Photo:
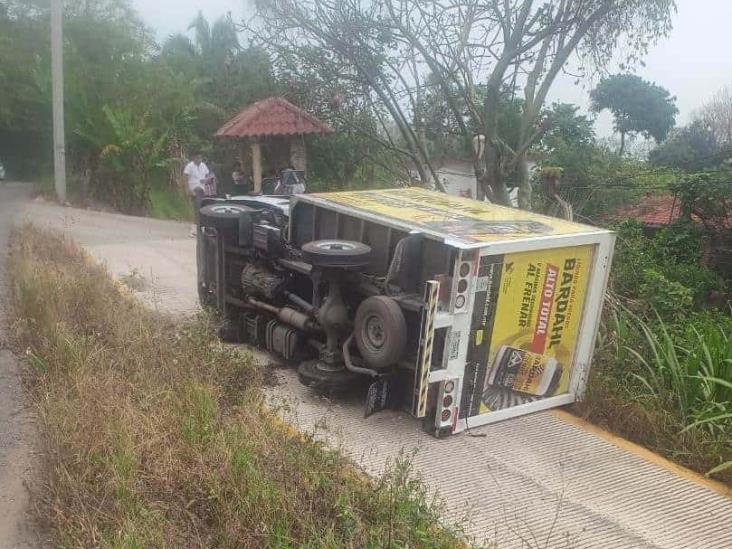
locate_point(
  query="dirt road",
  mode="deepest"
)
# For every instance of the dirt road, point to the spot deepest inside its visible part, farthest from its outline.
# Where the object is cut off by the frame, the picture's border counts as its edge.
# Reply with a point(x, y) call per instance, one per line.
point(18, 454)
point(534, 482)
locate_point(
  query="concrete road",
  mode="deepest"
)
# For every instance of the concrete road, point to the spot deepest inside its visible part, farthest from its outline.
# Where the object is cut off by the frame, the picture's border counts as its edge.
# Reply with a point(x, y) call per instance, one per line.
point(18, 455)
point(541, 481)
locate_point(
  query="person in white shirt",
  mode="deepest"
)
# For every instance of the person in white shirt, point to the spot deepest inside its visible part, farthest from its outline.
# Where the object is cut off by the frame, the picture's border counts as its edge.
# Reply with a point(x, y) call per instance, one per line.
point(197, 175)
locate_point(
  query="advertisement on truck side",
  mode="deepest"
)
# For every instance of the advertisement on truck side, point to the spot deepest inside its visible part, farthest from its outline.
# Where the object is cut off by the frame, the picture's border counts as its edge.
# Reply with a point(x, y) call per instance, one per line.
point(525, 326)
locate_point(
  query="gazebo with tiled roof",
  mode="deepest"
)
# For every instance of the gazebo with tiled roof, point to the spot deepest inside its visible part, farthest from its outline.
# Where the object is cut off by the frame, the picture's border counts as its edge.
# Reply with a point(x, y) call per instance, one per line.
point(278, 124)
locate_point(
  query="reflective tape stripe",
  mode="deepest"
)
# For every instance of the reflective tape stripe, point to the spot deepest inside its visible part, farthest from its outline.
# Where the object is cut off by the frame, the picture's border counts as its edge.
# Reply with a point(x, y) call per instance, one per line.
point(426, 344)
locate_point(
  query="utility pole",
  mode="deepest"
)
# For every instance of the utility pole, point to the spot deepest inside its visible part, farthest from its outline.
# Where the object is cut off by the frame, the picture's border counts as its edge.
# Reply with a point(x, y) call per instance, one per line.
point(57, 72)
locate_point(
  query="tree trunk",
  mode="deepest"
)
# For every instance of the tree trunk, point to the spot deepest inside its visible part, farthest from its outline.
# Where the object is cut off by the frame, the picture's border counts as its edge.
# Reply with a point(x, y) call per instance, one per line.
point(479, 191)
point(524, 190)
point(491, 181)
point(622, 144)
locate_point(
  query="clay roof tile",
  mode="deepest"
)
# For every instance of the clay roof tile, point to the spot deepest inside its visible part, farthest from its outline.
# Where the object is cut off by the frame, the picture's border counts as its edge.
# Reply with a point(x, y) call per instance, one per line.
point(271, 117)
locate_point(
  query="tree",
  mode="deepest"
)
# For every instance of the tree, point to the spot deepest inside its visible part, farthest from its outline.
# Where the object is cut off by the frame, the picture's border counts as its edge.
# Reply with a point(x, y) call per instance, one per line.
point(716, 115)
point(705, 143)
point(476, 55)
point(228, 75)
point(566, 129)
point(690, 148)
point(707, 197)
point(23, 105)
point(107, 50)
point(638, 106)
point(569, 143)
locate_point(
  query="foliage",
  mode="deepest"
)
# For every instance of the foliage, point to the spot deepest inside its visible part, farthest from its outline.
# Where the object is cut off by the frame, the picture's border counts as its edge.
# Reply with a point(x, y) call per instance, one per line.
point(696, 380)
point(402, 57)
point(132, 111)
point(167, 203)
point(357, 154)
point(128, 155)
point(157, 435)
point(638, 106)
point(566, 129)
point(664, 356)
point(663, 271)
point(705, 143)
point(668, 297)
point(692, 147)
point(227, 75)
point(24, 112)
point(716, 116)
point(706, 197)
point(597, 182)
point(667, 385)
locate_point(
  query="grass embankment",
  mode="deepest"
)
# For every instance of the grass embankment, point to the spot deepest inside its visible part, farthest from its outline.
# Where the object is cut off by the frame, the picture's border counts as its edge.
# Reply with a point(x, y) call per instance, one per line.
point(157, 436)
point(666, 386)
point(662, 373)
point(166, 202)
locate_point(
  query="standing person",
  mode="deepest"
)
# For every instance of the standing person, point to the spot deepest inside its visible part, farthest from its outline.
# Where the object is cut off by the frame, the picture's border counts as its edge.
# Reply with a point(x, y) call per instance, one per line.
point(197, 174)
point(239, 179)
point(210, 184)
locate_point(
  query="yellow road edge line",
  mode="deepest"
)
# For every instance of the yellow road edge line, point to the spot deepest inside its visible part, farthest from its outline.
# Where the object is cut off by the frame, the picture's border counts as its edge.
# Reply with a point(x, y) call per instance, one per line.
point(644, 453)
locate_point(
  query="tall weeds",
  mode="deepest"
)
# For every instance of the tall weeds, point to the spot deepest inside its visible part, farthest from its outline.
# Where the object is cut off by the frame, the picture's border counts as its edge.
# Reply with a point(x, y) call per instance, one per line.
point(669, 390)
point(157, 436)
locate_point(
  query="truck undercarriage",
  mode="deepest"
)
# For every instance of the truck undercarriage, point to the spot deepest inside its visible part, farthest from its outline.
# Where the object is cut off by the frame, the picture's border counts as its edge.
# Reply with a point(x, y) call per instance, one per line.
point(357, 297)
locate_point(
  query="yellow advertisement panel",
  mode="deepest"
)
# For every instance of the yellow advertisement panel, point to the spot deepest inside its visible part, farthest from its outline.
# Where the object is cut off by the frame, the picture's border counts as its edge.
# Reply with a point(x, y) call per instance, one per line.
point(525, 327)
point(453, 216)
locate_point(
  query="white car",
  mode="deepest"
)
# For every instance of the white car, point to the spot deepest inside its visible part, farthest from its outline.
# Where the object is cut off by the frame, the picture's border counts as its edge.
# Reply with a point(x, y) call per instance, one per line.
point(2, 172)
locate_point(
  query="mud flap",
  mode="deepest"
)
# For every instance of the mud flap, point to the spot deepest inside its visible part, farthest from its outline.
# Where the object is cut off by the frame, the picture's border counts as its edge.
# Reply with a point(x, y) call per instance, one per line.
point(384, 394)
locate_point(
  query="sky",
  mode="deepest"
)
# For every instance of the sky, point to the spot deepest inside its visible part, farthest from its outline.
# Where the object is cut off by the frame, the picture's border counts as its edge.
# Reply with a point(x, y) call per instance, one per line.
point(693, 62)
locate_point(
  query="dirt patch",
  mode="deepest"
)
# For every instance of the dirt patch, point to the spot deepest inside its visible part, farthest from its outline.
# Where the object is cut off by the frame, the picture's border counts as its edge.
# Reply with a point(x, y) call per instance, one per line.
point(19, 462)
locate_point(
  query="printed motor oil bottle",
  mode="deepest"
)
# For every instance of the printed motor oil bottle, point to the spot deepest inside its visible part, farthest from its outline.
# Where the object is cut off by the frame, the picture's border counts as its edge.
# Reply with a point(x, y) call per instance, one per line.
point(525, 372)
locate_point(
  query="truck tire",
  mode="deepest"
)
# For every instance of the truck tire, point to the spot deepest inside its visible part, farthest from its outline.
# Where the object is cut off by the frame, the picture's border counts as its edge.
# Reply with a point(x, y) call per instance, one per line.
point(223, 216)
point(380, 331)
point(323, 377)
point(336, 253)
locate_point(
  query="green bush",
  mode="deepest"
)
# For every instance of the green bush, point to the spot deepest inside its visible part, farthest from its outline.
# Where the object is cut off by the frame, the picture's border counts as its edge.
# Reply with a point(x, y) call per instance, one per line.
point(667, 385)
point(681, 241)
point(667, 297)
point(663, 271)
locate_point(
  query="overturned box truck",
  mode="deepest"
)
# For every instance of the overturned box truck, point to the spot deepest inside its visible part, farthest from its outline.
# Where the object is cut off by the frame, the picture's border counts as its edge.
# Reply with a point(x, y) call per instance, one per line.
point(460, 312)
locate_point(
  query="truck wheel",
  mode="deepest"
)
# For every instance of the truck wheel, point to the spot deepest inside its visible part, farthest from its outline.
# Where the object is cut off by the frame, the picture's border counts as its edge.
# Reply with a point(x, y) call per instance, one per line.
point(325, 377)
point(336, 253)
point(223, 216)
point(380, 331)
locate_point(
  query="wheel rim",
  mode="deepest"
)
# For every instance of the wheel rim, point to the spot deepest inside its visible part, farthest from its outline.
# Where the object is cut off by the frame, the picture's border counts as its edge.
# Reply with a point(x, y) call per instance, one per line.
point(227, 209)
point(336, 245)
point(373, 332)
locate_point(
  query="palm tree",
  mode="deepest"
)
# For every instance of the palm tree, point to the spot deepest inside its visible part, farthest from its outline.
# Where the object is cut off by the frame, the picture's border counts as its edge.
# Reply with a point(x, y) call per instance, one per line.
point(225, 74)
point(212, 48)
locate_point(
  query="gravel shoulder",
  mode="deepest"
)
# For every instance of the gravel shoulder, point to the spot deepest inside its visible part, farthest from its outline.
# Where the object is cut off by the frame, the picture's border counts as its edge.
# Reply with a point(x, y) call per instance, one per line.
point(19, 458)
